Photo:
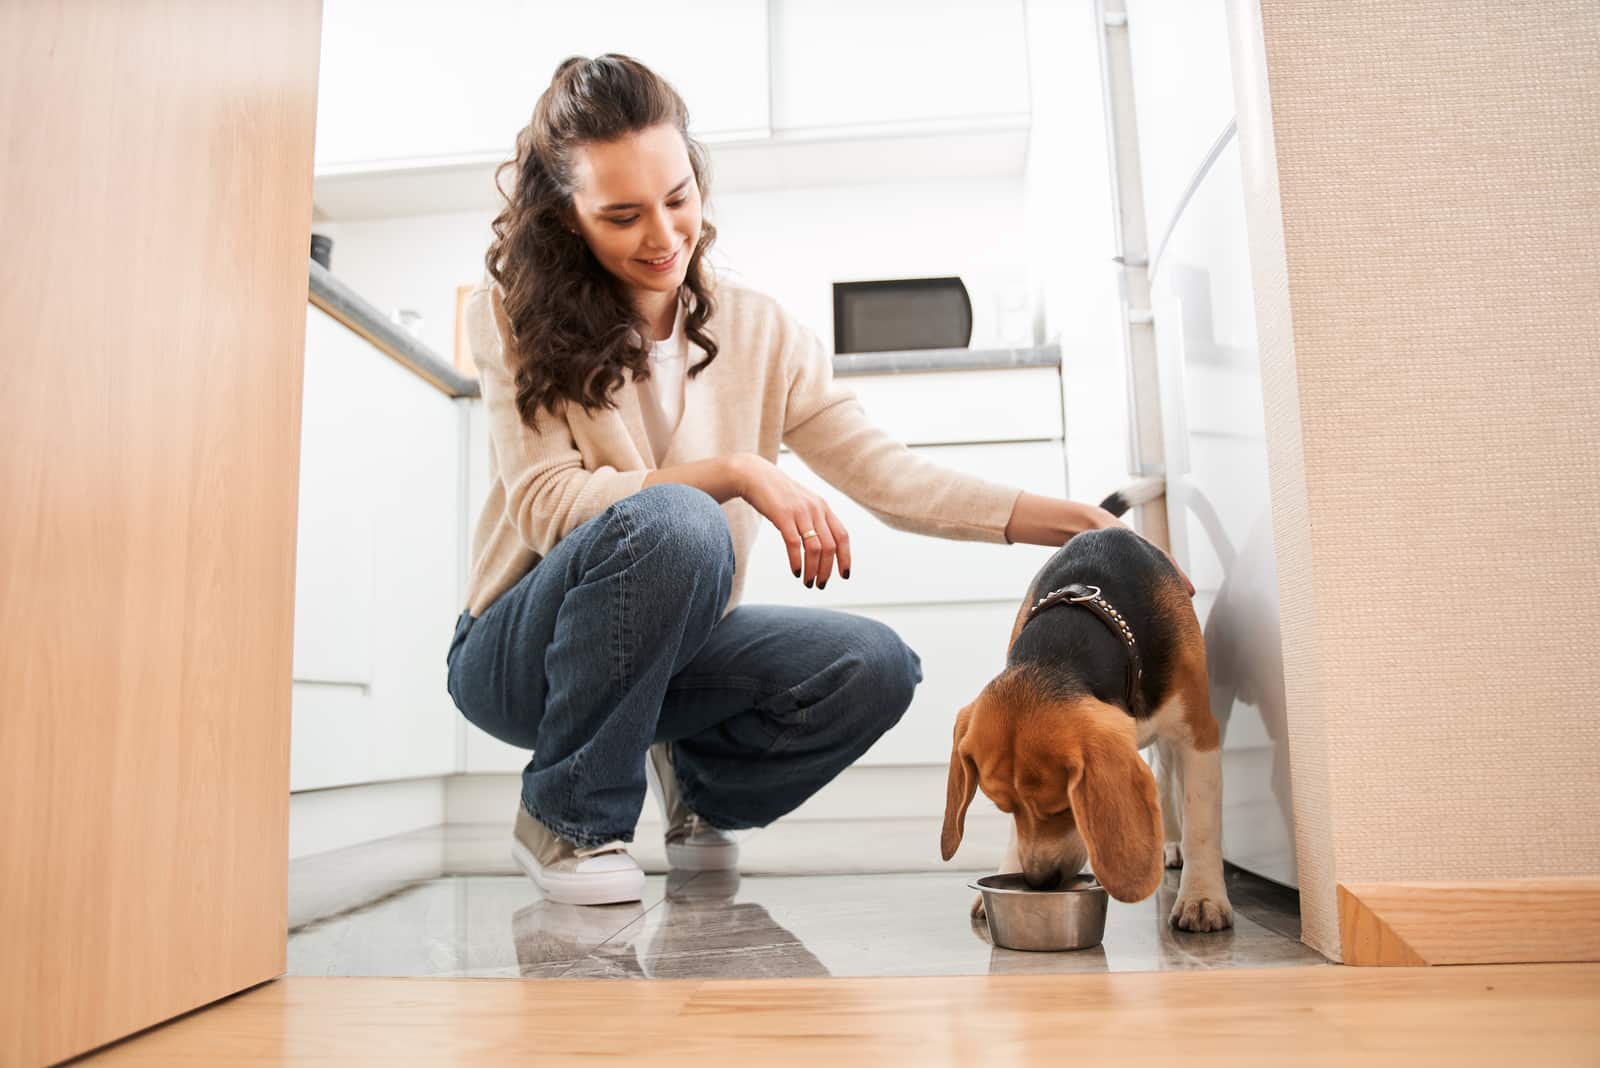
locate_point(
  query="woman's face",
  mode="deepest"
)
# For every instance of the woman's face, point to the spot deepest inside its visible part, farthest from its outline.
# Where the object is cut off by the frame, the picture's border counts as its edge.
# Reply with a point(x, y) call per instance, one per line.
point(638, 207)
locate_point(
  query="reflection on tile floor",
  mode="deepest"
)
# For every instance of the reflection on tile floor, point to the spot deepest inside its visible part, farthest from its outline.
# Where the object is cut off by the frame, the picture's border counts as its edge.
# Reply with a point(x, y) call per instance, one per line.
point(716, 925)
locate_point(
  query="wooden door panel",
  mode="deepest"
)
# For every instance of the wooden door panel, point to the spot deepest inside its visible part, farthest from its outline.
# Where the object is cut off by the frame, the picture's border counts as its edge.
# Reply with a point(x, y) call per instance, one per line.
point(156, 200)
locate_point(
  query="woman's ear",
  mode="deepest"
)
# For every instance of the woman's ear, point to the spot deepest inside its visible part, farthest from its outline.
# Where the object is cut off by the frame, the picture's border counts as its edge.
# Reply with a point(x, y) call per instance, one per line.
point(1113, 797)
point(958, 792)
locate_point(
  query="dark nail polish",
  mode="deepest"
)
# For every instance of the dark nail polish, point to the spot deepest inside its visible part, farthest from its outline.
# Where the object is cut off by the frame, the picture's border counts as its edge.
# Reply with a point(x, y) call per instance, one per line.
point(822, 585)
point(808, 584)
point(845, 573)
point(797, 572)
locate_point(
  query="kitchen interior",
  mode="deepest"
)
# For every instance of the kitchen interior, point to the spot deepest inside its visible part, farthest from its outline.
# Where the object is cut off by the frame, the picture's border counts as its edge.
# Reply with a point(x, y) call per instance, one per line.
point(237, 482)
point(845, 176)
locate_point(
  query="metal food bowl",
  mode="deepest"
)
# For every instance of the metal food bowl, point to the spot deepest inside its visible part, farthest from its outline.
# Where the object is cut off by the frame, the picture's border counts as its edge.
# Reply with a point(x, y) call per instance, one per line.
point(1073, 917)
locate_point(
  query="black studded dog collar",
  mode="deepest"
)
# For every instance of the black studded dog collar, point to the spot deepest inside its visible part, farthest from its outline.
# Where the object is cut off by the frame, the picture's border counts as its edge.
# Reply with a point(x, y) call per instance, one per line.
point(1089, 597)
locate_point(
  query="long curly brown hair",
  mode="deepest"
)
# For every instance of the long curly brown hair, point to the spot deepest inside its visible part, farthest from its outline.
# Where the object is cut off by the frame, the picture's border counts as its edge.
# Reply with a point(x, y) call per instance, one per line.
point(574, 328)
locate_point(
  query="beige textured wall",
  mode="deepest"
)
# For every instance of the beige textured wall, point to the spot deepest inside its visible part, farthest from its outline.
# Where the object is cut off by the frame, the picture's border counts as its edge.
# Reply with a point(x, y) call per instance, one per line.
point(1424, 191)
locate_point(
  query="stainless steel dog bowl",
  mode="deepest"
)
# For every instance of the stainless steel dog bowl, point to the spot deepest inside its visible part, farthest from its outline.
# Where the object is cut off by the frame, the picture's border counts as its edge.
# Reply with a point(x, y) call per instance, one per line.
point(1073, 917)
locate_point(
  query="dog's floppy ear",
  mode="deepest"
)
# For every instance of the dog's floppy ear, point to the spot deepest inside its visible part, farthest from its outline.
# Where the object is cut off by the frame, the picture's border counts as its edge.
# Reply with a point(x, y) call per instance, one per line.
point(1113, 798)
point(963, 784)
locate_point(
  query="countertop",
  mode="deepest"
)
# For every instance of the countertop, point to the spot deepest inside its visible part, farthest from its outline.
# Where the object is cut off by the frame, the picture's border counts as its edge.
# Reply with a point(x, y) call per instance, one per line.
point(336, 298)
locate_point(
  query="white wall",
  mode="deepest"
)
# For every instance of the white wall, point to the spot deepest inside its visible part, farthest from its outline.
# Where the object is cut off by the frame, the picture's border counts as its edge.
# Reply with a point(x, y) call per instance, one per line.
point(1431, 396)
point(413, 262)
point(792, 244)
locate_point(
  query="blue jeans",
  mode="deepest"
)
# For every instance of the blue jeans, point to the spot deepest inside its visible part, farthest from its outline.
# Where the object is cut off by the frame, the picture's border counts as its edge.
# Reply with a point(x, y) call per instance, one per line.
point(614, 641)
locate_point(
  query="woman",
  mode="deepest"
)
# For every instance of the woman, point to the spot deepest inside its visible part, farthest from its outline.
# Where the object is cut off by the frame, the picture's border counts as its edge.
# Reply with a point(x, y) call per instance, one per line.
point(635, 411)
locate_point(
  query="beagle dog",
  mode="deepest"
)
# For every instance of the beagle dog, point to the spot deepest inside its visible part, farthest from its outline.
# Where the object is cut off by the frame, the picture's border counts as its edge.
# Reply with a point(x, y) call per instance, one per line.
point(1106, 657)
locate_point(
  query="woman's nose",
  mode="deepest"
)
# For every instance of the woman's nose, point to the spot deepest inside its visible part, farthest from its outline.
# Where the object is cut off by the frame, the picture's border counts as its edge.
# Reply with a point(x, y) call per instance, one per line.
point(659, 233)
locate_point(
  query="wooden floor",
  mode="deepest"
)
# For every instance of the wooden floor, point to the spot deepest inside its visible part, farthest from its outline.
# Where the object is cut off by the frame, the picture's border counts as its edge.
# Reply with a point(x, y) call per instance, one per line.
point(1518, 1015)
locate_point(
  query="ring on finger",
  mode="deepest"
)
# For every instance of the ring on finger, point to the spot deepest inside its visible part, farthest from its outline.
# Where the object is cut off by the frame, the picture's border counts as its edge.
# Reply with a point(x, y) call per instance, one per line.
point(810, 534)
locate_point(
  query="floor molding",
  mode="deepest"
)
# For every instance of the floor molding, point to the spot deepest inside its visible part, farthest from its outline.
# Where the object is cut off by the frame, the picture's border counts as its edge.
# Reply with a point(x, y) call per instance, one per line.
point(1503, 921)
point(344, 816)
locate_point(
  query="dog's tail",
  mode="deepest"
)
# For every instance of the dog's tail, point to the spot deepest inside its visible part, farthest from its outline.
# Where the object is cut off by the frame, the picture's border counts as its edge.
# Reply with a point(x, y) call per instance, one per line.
point(1133, 494)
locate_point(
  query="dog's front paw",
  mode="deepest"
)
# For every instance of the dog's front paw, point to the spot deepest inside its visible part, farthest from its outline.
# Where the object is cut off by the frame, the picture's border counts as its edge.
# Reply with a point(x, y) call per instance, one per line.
point(1200, 913)
point(1172, 854)
point(977, 908)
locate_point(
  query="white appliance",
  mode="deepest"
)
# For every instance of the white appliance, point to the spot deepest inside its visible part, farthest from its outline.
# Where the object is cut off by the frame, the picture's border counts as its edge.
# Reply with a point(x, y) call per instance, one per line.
point(1217, 498)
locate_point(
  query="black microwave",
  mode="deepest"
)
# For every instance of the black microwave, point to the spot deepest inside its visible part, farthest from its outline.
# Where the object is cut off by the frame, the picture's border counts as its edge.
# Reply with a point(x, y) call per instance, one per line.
point(901, 313)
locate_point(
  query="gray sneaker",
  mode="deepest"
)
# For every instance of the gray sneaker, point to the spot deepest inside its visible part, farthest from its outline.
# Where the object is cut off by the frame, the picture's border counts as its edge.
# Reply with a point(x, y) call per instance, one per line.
point(692, 843)
point(573, 875)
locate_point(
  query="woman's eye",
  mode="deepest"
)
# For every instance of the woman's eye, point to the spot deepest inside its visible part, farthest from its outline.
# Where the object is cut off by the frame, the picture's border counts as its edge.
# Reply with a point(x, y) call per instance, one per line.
point(629, 220)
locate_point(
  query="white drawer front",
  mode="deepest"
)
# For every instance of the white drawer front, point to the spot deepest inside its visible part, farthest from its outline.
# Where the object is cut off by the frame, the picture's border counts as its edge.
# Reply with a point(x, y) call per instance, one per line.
point(334, 576)
point(962, 647)
point(377, 575)
point(894, 567)
point(952, 407)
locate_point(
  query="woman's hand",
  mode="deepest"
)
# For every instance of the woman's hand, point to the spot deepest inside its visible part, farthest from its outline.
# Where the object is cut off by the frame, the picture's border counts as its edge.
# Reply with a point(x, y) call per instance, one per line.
point(813, 534)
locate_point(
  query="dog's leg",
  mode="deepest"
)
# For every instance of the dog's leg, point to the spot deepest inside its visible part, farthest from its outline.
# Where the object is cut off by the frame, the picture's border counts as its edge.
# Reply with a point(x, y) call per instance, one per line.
point(1202, 903)
point(1011, 862)
point(1169, 786)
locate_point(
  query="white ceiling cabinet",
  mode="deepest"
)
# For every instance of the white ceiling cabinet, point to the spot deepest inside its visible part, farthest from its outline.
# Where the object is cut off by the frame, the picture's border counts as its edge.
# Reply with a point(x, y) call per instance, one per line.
point(417, 107)
point(841, 63)
point(418, 80)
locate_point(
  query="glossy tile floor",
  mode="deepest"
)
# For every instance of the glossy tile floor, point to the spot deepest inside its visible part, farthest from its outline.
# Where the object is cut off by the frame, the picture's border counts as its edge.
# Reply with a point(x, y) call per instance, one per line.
point(448, 902)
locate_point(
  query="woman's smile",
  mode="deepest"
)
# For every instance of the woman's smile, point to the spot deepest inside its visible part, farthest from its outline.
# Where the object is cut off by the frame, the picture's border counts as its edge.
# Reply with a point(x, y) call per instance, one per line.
point(664, 263)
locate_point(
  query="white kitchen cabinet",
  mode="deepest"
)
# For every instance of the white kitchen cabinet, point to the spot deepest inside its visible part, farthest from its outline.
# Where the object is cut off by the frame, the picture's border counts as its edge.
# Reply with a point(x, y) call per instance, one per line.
point(377, 567)
point(413, 80)
point(418, 104)
point(338, 508)
point(841, 63)
point(963, 407)
point(962, 647)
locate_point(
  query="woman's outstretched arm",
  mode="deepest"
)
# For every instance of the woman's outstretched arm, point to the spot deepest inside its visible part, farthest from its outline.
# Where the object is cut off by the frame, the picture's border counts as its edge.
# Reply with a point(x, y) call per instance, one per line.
point(1038, 520)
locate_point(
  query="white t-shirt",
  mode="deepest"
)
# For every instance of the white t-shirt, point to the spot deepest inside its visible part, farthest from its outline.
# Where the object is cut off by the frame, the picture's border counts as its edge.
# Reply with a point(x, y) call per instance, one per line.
point(661, 395)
